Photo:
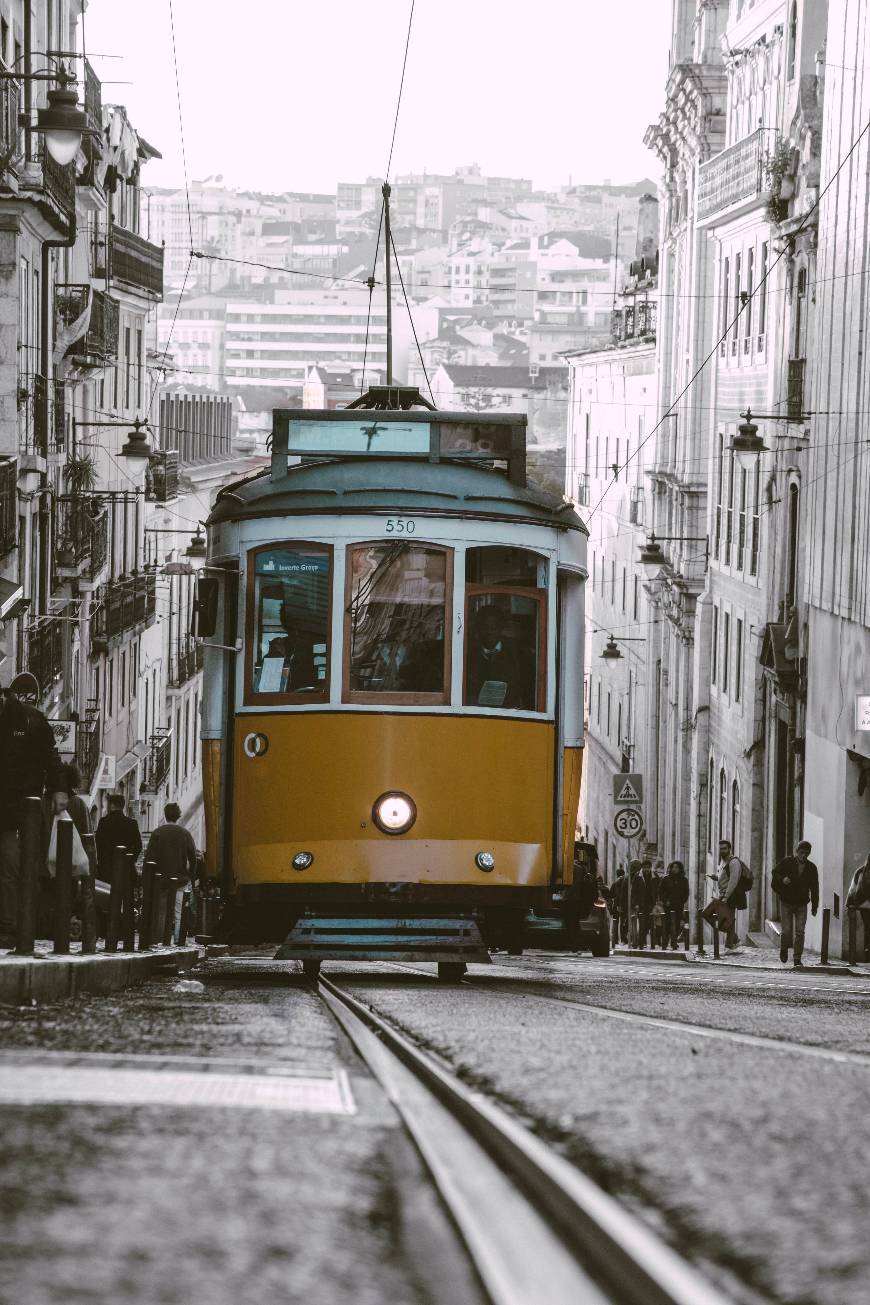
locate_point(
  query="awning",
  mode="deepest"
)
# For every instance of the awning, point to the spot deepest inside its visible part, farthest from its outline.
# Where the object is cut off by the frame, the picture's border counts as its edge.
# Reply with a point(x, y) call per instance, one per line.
point(130, 760)
point(11, 596)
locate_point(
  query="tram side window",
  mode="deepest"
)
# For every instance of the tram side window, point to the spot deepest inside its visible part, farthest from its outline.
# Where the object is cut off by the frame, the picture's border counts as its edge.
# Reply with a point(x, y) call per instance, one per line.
point(291, 622)
point(396, 621)
point(506, 591)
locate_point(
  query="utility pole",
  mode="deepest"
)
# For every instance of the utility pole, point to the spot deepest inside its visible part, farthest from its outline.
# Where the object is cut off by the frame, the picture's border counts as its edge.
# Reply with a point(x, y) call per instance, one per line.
point(387, 241)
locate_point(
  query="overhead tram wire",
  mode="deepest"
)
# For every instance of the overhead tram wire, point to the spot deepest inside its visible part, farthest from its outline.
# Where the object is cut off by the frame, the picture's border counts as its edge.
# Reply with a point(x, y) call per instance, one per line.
point(270, 267)
point(744, 305)
point(162, 367)
point(181, 125)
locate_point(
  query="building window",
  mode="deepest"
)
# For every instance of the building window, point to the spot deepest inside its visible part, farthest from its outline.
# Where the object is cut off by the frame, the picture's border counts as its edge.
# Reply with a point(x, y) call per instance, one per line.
point(737, 299)
point(756, 521)
point(720, 467)
point(127, 367)
point(110, 687)
point(635, 599)
point(140, 371)
point(762, 292)
point(122, 681)
point(613, 583)
point(714, 651)
point(598, 706)
point(624, 592)
point(750, 268)
point(710, 782)
point(735, 817)
point(792, 40)
point(741, 518)
point(607, 727)
point(729, 512)
point(792, 562)
point(726, 650)
point(738, 659)
point(723, 805)
point(726, 294)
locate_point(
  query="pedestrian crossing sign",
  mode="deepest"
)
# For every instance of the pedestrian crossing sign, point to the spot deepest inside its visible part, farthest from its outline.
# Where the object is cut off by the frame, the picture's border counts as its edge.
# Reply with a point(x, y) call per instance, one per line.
point(627, 790)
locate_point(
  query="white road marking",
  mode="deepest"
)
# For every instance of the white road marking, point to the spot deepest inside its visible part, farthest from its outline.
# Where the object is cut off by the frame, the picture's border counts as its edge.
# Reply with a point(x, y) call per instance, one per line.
point(42, 1084)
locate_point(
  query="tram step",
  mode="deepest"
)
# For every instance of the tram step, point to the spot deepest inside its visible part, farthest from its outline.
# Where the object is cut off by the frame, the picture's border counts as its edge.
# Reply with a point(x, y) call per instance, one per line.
point(411, 938)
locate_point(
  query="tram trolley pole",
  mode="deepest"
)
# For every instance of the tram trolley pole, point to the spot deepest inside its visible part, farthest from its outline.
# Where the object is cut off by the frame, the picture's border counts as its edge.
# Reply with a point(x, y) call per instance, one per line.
point(128, 914)
point(63, 884)
point(826, 934)
point(31, 857)
point(146, 921)
point(116, 897)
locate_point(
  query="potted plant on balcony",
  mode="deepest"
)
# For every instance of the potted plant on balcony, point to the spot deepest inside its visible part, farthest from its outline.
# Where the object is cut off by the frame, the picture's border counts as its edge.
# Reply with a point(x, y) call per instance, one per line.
point(81, 473)
point(779, 181)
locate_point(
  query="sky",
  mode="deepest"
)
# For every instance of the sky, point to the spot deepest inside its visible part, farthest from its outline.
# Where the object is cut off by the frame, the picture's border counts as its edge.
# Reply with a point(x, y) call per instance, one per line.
point(299, 94)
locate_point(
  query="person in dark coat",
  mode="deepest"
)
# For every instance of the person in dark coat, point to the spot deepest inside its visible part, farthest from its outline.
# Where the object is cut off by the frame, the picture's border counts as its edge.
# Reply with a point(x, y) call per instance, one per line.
point(172, 850)
point(29, 766)
point(617, 906)
point(116, 830)
point(673, 895)
point(858, 897)
point(796, 881)
point(644, 895)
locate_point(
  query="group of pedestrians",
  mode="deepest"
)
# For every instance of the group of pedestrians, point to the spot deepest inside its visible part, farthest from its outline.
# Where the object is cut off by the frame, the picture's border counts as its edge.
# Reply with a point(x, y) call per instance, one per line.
point(647, 904)
point(30, 766)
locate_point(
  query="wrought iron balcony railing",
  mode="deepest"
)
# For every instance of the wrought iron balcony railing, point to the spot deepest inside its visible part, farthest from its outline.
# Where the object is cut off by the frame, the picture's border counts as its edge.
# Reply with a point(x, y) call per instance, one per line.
point(795, 392)
point(10, 129)
point(58, 185)
point(161, 476)
point(88, 739)
point(158, 761)
point(8, 505)
point(185, 661)
point(734, 174)
point(121, 606)
point(635, 322)
point(45, 650)
point(81, 535)
point(135, 262)
point(48, 415)
point(92, 142)
point(99, 341)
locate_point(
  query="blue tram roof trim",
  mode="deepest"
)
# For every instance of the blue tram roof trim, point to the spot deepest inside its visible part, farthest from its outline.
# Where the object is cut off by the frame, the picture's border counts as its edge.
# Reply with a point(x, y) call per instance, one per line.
point(355, 461)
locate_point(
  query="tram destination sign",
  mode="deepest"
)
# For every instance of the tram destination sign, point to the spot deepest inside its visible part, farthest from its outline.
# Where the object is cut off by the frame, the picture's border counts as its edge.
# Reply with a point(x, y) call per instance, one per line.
point(627, 790)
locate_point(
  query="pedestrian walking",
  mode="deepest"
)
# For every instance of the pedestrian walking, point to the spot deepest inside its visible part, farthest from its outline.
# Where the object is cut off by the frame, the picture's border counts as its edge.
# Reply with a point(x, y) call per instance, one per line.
point(68, 799)
point(673, 896)
point(644, 895)
point(29, 766)
point(173, 852)
point(858, 898)
point(730, 894)
point(796, 882)
point(116, 830)
point(617, 905)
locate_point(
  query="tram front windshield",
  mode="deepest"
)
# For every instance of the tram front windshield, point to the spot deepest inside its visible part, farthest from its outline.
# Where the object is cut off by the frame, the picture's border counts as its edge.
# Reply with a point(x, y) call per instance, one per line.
point(396, 619)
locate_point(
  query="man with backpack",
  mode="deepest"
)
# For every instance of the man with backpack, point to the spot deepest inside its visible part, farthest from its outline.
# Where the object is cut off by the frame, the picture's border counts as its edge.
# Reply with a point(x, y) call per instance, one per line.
point(796, 881)
point(733, 882)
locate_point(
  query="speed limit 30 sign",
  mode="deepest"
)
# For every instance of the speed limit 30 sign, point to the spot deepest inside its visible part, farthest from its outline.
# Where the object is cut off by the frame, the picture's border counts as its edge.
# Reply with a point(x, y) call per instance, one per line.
point(628, 823)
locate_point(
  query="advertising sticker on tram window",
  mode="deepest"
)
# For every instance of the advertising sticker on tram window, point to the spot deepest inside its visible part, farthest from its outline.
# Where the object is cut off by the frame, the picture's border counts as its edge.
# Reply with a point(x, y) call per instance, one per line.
point(285, 562)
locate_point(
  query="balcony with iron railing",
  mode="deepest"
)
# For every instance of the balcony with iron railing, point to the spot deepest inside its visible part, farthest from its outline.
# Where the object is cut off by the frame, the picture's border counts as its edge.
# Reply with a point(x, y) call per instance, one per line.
point(10, 128)
point(44, 658)
point(88, 739)
point(135, 263)
point(53, 186)
point(734, 174)
point(92, 141)
point(184, 662)
point(634, 323)
point(121, 607)
point(161, 476)
point(81, 536)
point(8, 505)
point(42, 415)
point(99, 340)
point(157, 764)
point(795, 391)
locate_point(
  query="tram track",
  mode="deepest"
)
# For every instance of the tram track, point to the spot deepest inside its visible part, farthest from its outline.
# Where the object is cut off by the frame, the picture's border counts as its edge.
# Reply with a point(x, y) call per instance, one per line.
point(538, 1231)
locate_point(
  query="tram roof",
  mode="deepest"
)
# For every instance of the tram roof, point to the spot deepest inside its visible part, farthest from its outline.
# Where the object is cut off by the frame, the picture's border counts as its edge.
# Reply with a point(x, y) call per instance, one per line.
point(359, 484)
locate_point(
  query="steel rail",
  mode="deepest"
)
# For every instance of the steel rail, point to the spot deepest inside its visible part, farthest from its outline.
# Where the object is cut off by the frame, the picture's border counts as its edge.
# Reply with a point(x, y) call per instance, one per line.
point(615, 1257)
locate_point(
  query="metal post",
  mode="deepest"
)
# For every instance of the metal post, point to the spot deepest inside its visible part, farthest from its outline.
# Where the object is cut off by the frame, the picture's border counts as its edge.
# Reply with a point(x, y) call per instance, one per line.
point(185, 916)
point(715, 943)
point(700, 934)
point(89, 916)
point(385, 191)
point(686, 930)
point(853, 934)
point(116, 898)
point(63, 884)
point(128, 918)
point(169, 886)
point(146, 922)
point(826, 932)
point(31, 859)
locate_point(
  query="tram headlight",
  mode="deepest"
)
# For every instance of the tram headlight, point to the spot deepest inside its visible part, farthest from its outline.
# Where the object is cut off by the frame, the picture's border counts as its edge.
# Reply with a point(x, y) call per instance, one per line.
point(302, 860)
point(394, 813)
point(485, 861)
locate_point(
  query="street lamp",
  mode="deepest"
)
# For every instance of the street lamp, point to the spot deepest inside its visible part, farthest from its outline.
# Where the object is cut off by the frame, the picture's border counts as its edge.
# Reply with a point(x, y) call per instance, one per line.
point(611, 652)
point(652, 558)
point(62, 123)
point(197, 545)
point(136, 450)
point(747, 444)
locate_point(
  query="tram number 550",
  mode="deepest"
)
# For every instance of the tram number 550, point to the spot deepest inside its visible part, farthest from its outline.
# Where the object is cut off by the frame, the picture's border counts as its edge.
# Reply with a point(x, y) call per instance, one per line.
point(400, 526)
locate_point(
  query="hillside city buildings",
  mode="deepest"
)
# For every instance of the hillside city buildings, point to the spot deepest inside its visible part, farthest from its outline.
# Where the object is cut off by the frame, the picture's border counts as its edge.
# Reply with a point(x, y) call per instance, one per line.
point(742, 665)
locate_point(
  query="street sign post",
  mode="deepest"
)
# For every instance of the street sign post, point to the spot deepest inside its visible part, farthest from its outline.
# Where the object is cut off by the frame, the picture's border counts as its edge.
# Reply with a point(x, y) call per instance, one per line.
point(627, 790)
point(628, 823)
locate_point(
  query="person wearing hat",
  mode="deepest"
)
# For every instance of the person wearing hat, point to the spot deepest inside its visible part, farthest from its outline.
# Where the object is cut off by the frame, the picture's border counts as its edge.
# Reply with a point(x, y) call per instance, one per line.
point(29, 767)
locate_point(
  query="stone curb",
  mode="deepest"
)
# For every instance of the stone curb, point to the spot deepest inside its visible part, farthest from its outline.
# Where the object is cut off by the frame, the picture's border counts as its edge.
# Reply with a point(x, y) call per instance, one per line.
point(691, 958)
point(25, 979)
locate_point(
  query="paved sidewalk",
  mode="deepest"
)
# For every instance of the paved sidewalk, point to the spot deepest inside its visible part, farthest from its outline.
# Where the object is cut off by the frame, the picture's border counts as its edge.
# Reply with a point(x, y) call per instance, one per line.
point(747, 957)
point(44, 977)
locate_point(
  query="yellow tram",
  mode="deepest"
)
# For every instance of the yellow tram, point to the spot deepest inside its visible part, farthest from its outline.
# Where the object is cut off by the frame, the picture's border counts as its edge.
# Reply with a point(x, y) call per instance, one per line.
point(393, 700)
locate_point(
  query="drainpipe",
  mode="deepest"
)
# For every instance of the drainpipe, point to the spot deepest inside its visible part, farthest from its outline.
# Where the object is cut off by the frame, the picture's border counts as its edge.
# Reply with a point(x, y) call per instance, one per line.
point(47, 371)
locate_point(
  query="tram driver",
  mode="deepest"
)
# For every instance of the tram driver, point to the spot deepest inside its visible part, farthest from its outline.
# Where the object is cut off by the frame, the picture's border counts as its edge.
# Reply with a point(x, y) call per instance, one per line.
point(495, 672)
